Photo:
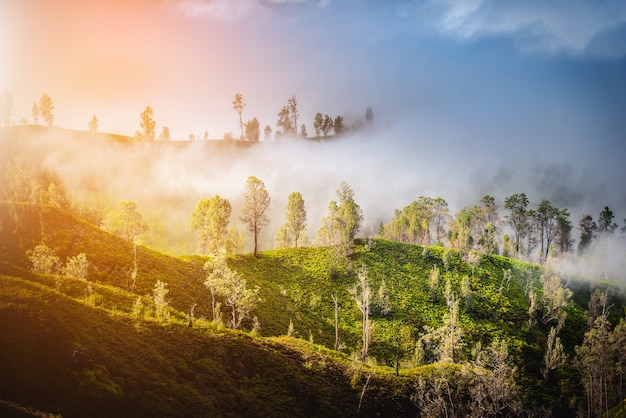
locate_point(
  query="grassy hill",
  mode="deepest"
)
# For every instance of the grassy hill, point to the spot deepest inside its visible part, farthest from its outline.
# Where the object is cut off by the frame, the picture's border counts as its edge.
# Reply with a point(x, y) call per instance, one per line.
point(72, 347)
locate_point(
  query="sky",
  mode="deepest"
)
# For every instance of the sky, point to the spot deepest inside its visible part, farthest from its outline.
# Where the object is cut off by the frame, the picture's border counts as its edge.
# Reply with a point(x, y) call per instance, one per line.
point(469, 97)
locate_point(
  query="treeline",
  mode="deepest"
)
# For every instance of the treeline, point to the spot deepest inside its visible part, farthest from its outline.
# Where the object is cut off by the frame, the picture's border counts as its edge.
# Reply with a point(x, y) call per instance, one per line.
point(534, 234)
point(286, 123)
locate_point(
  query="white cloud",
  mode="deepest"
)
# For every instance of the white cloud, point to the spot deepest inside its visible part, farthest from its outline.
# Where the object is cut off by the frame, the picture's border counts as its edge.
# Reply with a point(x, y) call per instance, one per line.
point(547, 26)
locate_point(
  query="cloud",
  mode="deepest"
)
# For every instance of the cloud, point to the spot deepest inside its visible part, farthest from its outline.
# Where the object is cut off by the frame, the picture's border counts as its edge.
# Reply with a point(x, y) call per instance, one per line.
point(555, 26)
point(233, 10)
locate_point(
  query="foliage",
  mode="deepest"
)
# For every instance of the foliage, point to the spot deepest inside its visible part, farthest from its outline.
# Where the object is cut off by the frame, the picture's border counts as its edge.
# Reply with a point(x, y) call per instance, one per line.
point(44, 259)
point(254, 210)
point(211, 218)
point(77, 266)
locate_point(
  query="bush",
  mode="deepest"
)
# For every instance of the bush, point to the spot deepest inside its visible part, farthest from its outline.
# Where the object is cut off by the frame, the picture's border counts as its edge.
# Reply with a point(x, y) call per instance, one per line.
point(44, 259)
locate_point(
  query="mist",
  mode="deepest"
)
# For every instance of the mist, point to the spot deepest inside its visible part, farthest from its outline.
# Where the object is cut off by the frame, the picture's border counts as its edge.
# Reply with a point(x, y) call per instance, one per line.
point(387, 169)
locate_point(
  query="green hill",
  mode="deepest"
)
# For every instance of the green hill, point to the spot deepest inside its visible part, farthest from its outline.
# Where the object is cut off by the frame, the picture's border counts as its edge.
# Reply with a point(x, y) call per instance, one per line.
point(72, 347)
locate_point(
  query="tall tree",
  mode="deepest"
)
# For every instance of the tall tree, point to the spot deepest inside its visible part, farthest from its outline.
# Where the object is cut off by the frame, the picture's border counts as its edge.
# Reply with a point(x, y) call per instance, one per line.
point(606, 225)
point(318, 121)
point(292, 105)
point(267, 132)
point(147, 125)
point(45, 108)
point(253, 213)
point(564, 228)
point(362, 294)
point(284, 125)
point(93, 124)
point(349, 216)
point(588, 229)
point(295, 224)
point(517, 218)
point(238, 106)
point(327, 125)
point(211, 218)
point(545, 217)
point(6, 108)
point(253, 131)
point(129, 224)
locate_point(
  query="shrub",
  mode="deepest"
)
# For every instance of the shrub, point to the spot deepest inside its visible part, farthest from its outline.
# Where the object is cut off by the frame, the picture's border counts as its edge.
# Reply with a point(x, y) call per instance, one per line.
point(44, 259)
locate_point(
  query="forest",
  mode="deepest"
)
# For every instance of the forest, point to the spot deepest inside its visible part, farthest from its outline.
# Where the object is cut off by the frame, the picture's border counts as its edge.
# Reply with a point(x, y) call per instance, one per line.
point(495, 309)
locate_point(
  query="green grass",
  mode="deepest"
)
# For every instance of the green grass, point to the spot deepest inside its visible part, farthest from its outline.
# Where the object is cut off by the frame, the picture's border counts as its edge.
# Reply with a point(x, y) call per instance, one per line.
point(71, 347)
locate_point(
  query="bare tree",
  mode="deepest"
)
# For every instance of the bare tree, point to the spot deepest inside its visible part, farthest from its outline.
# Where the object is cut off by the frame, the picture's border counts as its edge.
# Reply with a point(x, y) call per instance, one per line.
point(362, 294)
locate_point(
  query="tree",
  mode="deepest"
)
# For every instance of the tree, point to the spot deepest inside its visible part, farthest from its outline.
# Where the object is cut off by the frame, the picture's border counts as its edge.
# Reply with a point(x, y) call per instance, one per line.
point(129, 224)
point(344, 219)
point(327, 125)
point(211, 218)
point(369, 115)
point(517, 219)
point(36, 113)
point(555, 300)
point(563, 238)
point(45, 108)
point(253, 213)
point(165, 134)
point(93, 124)
point(292, 105)
point(295, 224)
point(595, 363)
point(318, 121)
point(43, 259)
point(6, 108)
point(161, 305)
point(555, 354)
point(77, 267)
point(228, 284)
point(545, 218)
point(238, 106)
point(303, 132)
point(147, 125)
point(267, 132)
point(588, 229)
point(253, 132)
point(338, 124)
point(606, 225)
point(362, 294)
point(284, 125)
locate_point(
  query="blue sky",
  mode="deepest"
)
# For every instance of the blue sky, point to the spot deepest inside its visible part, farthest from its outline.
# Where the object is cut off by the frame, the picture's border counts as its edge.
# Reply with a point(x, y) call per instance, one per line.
point(509, 95)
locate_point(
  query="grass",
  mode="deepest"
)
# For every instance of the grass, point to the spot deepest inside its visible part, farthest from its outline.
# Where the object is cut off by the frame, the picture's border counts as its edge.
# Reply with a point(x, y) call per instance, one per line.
point(72, 347)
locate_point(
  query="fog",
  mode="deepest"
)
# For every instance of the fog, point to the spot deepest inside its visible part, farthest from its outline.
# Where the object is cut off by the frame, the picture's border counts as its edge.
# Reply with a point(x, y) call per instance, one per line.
point(386, 168)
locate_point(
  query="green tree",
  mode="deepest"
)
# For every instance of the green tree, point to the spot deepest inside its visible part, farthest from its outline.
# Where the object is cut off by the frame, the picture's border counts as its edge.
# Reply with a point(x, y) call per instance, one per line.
point(254, 210)
point(606, 225)
point(545, 217)
point(295, 224)
point(344, 219)
point(238, 105)
point(517, 218)
point(147, 125)
point(225, 283)
point(564, 228)
point(211, 218)
point(45, 109)
point(253, 131)
point(588, 230)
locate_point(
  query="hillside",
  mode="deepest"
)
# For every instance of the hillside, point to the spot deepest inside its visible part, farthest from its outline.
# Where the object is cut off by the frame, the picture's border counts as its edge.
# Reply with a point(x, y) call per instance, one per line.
point(72, 347)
